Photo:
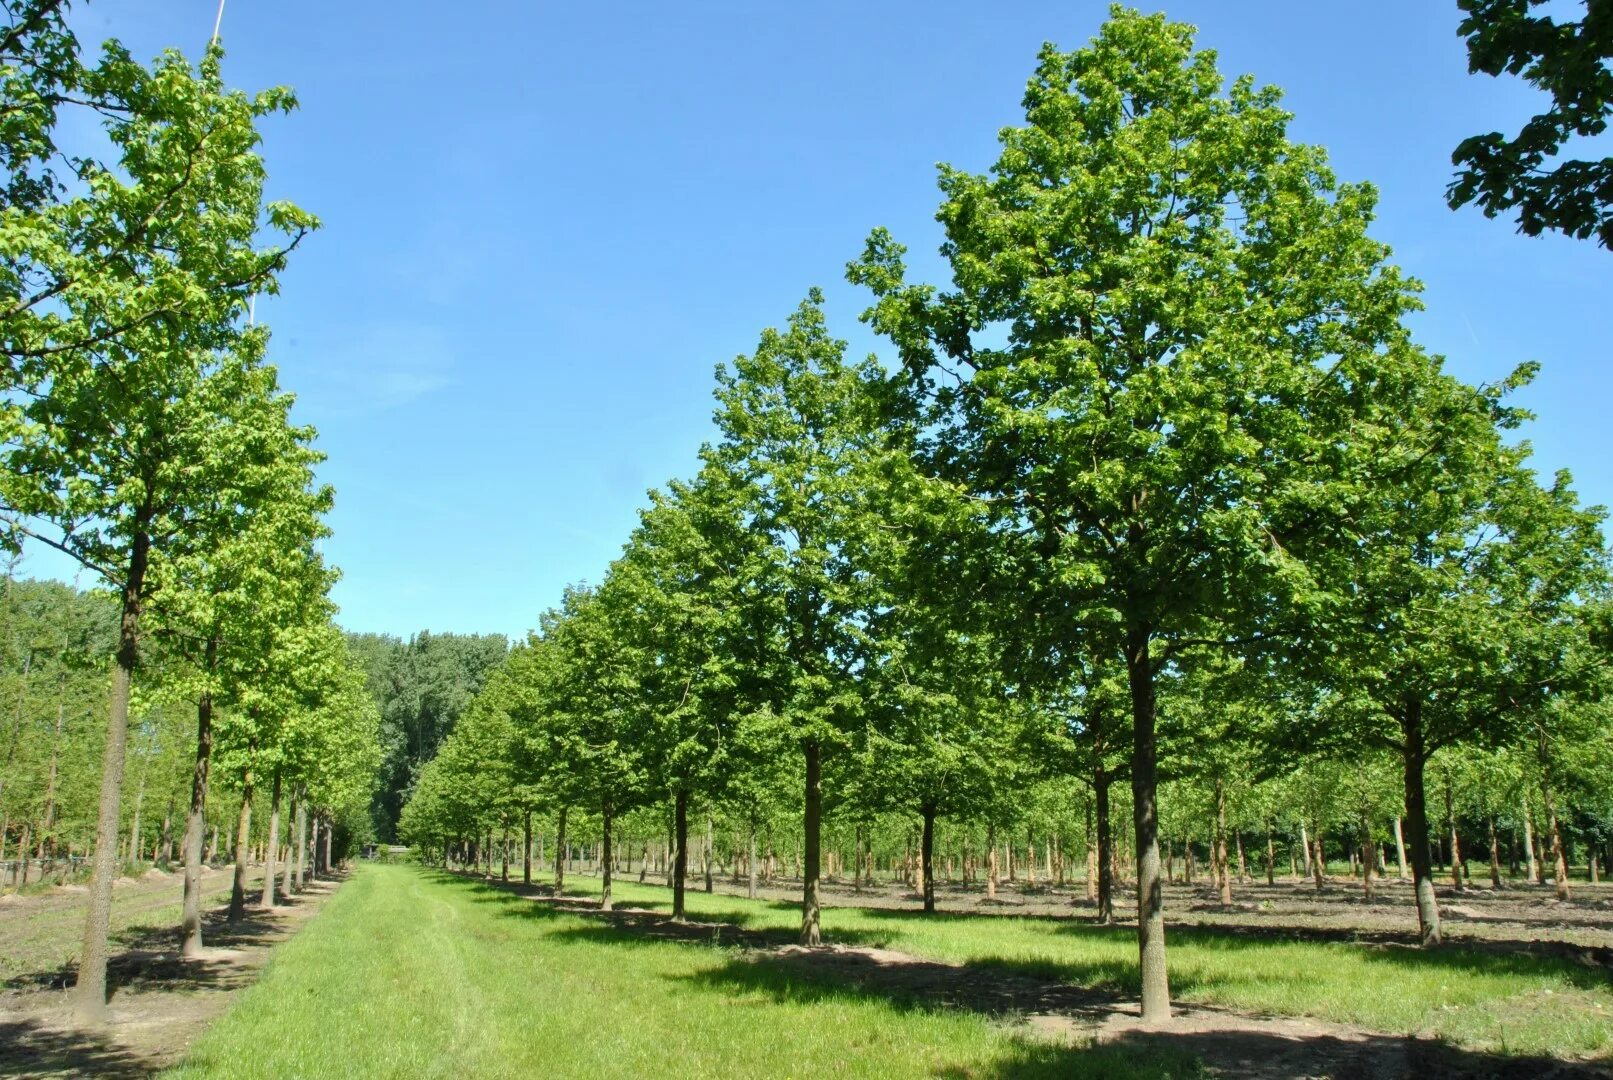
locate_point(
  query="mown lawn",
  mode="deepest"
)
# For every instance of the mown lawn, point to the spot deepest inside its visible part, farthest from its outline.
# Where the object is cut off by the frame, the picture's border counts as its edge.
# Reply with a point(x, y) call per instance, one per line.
point(410, 973)
point(1483, 1000)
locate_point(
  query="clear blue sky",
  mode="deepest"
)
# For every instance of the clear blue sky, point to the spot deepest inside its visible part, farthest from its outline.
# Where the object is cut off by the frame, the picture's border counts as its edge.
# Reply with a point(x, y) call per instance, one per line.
point(546, 223)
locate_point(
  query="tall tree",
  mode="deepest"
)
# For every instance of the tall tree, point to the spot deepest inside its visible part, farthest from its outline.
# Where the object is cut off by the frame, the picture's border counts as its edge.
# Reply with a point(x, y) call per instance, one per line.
point(1163, 311)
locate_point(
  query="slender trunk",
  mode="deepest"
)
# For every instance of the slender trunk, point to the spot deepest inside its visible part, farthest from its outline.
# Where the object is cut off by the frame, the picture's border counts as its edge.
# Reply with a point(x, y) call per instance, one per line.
point(927, 857)
point(1400, 847)
point(857, 860)
point(1495, 857)
point(313, 849)
point(1456, 840)
point(1271, 853)
point(1106, 847)
point(195, 822)
point(134, 826)
point(1092, 857)
point(560, 852)
point(680, 869)
point(90, 994)
point(1156, 1000)
point(504, 854)
point(1223, 869)
point(526, 847)
point(1369, 856)
point(1414, 758)
point(1559, 850)
point(302, 840)
point(274, 841)
point(1305, 847)
point(1529, 843)
point(991, 862)
point(243, 840)
point(750, 864)
point(706, 854)
point(1319, 860)
point(291, 862)
point(605, 860)
point(811, 931)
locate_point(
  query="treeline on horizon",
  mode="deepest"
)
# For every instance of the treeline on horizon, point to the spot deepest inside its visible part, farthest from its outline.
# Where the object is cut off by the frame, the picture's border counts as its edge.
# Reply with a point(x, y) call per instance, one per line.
point(1157, 508)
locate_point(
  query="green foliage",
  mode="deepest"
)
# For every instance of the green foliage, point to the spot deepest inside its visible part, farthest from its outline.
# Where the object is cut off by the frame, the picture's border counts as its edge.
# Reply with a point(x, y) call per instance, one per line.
point(1567, 60)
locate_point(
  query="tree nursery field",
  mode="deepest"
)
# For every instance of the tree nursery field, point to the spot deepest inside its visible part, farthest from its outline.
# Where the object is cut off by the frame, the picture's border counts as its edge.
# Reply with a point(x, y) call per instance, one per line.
point(1153, 659)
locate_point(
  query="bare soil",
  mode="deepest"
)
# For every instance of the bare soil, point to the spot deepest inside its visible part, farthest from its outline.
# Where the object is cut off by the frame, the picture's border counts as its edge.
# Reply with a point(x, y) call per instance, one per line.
point(159, 1003)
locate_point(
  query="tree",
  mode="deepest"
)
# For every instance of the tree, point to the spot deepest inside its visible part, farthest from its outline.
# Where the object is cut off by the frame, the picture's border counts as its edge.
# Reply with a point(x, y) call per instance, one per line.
point(801, 435)
point(1163, 312)
point(1569, 61)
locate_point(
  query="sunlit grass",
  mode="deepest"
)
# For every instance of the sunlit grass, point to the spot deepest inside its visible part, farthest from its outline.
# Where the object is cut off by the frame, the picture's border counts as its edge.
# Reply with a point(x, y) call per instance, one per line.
point(407, 973)
point(1481, 999)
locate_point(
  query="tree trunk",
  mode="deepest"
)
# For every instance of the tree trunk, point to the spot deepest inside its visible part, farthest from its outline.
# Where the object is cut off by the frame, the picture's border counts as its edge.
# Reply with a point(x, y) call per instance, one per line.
point(857, 860)
point(313, 849)
point(1318, 860)
point(1369, 856)
point(1400, 847)
point(706, 854)
point(291, 861)
point(1559, 851)
point(811, 931)
point(1106, 847)
point(927, 857)
point(605, 860)
point(750, 864)
point(680, 868)
point(1222, 869)
point(560, 852)
point(1413, 758)
point(134, 825)
point(1156, 999)
point(190, 925)
point(991, 862)
point(504, 854)
point(526, 847)
point(274, 842)
point(1271, 853)
point(1305, 847)
point(1495, 857)
point(330, 828)
point(1529, 843)
point(243, 851)
point(1456, 840)
point(90, 994)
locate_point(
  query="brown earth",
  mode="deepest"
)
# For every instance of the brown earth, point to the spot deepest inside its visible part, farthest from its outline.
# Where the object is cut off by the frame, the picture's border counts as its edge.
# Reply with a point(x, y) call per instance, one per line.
point(159, 1003)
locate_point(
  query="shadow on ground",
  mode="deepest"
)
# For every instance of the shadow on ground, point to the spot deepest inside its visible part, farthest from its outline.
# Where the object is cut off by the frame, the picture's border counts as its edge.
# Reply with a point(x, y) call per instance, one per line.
point(1083, 1015)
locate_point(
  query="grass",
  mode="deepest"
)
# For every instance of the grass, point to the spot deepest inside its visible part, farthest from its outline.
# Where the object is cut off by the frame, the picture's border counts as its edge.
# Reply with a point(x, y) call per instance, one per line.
point(411, 973)
point(1490, 1001)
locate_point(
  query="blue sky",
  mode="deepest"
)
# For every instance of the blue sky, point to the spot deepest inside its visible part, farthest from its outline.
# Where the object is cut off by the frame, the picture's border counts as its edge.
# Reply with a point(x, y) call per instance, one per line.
point(544, 225)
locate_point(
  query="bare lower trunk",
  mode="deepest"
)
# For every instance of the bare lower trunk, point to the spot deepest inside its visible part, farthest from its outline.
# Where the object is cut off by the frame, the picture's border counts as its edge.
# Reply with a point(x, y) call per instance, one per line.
point(680, 868)
point(1456, 840)
point(1156, 1001)
point(1223, 871)
point(927, 858)
point(1318, 860)
point(1413, 759)
point(243, 838)
point(274, 842)
point(526, 848)
point(1271, 853)
point(1529, 843)
point(605, 861)
point(811, 930)
point(1305, 848)
point(706, 853)
point(190, 925)
point(90, 992)
point(291, 859)
point(1559, 851)
point(750, 864)
point(1495, 857)
point(560, 851)
point(991, 862)
point(1106, 847)
point(1400, 847)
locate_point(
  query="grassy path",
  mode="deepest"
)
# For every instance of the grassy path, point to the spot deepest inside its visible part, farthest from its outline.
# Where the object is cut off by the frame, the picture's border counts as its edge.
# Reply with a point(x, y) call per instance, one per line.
point(408, 973)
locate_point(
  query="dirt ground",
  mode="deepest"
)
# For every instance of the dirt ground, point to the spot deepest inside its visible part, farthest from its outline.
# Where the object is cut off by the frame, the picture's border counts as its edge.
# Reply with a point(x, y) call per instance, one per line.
point(159, 1003)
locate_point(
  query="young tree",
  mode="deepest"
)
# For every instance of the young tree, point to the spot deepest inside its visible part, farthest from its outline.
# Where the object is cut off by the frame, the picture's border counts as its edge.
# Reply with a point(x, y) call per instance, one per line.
point(1163, 311)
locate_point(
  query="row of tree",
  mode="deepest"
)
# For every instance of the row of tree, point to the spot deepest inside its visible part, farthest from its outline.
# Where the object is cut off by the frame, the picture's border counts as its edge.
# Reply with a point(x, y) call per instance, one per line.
point(144, 435)
point(1160, 486)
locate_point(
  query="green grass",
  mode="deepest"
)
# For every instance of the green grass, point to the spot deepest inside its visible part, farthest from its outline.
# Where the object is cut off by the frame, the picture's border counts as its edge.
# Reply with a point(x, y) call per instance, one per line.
point(410, 973)
point(1510, 1003)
